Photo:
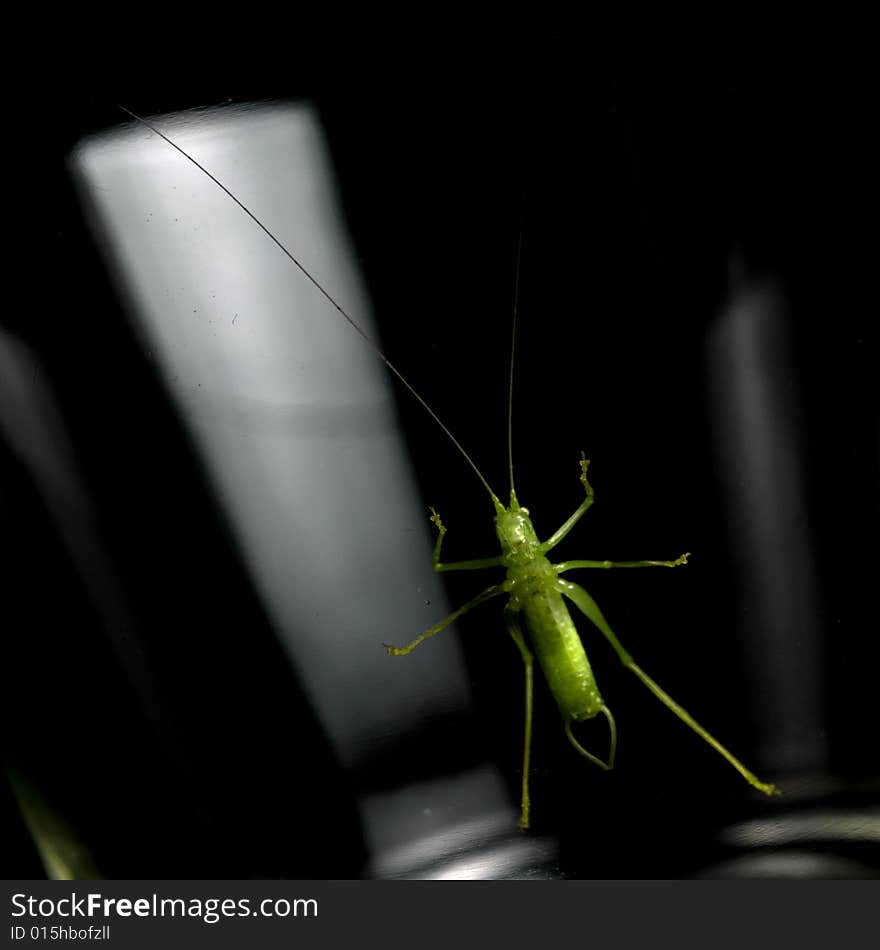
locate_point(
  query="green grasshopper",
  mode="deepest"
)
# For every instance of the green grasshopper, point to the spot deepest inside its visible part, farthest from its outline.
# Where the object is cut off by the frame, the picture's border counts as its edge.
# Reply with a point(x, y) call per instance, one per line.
point(536, 614)
point(536, 590)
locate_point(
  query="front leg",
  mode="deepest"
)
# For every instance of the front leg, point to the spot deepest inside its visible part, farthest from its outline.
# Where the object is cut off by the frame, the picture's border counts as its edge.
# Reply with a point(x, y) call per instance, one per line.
point(558, 535)
point(473, 565)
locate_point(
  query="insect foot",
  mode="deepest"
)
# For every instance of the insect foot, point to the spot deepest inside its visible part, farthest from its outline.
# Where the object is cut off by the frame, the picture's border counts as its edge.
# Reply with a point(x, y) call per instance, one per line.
point(588, 488)
point(435, 520)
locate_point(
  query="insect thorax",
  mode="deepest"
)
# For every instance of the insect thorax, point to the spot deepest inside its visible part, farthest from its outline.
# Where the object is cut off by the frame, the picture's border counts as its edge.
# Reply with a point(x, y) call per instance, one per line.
point(516, 534)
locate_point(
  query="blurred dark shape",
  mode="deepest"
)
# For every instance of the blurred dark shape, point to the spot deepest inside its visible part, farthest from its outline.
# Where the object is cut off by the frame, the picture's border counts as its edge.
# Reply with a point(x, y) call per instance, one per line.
point(759, 434)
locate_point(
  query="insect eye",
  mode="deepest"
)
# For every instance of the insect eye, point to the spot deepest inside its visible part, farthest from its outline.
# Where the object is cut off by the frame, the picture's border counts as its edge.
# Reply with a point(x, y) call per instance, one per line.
point(525, 511)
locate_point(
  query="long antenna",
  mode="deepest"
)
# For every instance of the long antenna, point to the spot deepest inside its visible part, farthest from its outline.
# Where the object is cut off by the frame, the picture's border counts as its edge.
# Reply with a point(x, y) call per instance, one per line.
point(327, 295)
point(512, 356)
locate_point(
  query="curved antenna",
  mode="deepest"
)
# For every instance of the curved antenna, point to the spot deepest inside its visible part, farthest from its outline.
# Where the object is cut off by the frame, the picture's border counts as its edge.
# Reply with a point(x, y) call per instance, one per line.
point(512, 356)
point(326, 294)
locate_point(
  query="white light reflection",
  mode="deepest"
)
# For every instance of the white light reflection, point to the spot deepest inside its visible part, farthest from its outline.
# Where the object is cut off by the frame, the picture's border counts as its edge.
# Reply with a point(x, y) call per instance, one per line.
point(827, 825)
point(423, 824)
point(793, 863)
point(291, 412)
point(508, 860)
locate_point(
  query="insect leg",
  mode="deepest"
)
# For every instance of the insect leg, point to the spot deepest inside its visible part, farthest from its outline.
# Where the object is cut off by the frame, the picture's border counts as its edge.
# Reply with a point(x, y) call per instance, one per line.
point(518, 638)
point(474, 565)
point(487, 594)
point(585, 603)
point(612, 750)
point(572, 565)
point(558, 535)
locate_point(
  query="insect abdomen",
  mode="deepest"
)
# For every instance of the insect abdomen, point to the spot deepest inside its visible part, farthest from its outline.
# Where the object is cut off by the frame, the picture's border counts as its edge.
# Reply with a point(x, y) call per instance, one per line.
point(559, 650)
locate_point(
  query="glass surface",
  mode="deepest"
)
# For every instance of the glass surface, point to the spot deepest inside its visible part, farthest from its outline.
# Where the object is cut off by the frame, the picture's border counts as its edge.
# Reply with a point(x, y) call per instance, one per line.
point(218, 496)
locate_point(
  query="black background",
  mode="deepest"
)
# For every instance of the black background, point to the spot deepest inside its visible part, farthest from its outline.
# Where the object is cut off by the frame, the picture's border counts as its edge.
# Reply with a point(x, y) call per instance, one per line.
point(633, 189)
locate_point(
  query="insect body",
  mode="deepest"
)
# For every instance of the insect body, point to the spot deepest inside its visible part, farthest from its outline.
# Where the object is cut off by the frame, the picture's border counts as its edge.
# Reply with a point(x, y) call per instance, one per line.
point(536, 592)
point(536, 613)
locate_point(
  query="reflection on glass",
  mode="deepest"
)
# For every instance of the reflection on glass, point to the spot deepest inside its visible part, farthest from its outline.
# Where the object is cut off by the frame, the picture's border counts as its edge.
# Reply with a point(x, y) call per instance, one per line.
point(291, 413)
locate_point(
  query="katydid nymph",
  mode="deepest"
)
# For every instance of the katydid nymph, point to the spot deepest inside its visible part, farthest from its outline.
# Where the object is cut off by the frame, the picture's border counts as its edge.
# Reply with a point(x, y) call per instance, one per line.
point(537, 591)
